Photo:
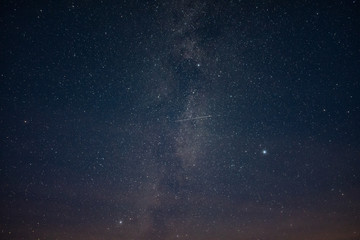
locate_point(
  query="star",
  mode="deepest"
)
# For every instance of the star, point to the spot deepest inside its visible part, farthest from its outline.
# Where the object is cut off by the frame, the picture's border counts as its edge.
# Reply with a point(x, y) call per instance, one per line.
point(264, 152)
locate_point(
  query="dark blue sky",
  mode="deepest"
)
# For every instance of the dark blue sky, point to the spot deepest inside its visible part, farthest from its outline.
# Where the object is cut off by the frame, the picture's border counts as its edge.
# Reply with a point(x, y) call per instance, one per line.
point(179, 120)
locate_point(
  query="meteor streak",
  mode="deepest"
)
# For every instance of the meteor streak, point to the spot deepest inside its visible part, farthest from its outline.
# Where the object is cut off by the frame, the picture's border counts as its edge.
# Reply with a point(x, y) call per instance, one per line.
point(192, 119)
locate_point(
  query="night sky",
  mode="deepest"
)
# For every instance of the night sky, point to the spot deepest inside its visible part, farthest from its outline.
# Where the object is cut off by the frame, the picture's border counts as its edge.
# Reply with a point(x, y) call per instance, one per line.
point(180, 119)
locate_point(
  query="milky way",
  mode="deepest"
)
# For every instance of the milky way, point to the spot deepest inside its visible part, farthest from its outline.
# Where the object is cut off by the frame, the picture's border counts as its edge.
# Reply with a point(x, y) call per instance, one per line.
point(161, 120)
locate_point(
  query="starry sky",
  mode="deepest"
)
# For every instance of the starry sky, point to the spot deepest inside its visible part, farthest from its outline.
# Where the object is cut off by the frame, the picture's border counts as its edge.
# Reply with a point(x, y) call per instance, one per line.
point(179, 119)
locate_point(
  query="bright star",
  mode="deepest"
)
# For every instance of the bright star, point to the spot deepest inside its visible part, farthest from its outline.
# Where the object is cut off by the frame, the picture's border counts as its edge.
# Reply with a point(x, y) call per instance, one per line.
point(264, 151)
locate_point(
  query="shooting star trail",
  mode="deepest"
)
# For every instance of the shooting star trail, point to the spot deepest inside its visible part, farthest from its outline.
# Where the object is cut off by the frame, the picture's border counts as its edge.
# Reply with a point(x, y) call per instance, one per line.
point(194, 118)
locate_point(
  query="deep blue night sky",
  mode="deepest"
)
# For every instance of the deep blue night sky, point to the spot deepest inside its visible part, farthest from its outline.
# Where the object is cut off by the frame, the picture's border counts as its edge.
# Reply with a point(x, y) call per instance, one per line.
point(163, 120)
